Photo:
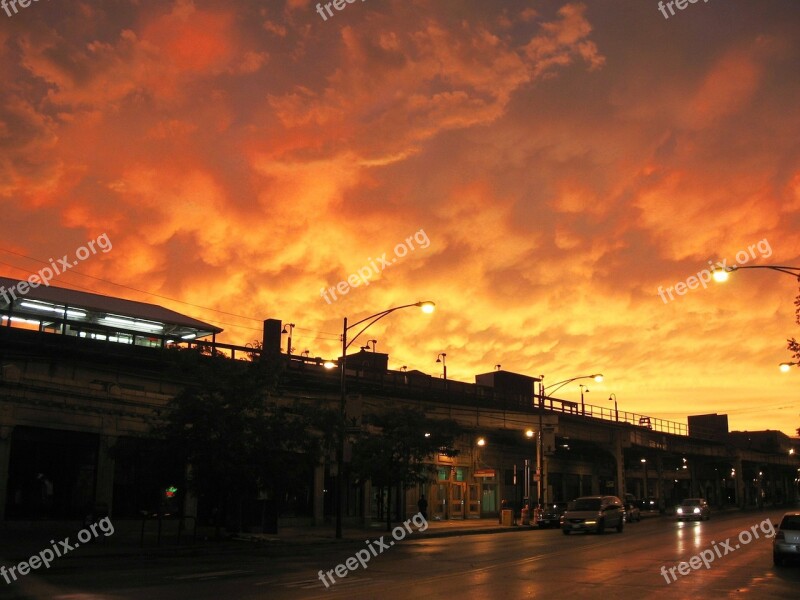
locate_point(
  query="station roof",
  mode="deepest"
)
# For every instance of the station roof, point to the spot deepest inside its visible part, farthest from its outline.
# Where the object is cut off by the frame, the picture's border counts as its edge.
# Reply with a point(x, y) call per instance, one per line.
point(107, 311)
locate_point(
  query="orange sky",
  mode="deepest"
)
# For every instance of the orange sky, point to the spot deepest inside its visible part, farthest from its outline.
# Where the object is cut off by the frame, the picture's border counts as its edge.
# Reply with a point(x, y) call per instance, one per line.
point(556, 161)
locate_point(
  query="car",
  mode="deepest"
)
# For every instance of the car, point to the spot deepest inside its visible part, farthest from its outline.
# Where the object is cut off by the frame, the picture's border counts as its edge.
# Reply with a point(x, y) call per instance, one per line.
point(648, 504)
point(632, 512)
point(551, 515)
point(593, 513)
point(693, 508)
point(786, 542)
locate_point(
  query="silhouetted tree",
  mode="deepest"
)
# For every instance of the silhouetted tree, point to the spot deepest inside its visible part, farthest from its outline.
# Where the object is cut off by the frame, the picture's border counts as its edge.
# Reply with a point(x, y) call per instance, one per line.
point(235, 442)
point(395, 451)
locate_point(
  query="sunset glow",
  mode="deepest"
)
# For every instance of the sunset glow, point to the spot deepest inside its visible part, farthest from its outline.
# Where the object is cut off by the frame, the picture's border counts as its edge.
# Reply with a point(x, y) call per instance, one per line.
point(564, 180)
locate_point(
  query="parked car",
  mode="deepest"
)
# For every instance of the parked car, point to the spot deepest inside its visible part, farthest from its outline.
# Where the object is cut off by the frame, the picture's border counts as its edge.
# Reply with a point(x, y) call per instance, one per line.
point(593, 513)
point(648, 504)
point(786, 543)
point(632, 512)
point(693, 508)
point(551, 515)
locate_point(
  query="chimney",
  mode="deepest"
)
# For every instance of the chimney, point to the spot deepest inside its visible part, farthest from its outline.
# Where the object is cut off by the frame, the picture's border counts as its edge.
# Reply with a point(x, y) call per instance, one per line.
point(272, 338)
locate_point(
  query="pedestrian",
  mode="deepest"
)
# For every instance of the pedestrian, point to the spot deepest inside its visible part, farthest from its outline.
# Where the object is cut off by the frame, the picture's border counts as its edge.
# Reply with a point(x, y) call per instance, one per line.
point(422, 505)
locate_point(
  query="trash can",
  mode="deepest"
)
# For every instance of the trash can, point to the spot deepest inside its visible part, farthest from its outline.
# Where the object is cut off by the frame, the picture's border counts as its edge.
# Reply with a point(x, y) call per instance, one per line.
point(526, 516)
point(506, 518)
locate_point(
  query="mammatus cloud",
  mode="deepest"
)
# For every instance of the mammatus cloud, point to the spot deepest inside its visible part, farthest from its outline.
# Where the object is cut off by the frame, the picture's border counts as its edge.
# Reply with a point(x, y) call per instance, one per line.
point(564, 161)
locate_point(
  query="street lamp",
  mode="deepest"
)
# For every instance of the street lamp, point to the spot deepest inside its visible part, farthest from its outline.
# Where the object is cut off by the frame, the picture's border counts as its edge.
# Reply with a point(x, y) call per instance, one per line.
point(426, 307)
point(721, 275)
point(527, 472)
point(441, 359)
point(587, 390)
point(598, 377)
point(785, 367)
point(613, 396)
point(289, 345)
point(541, 464)
point(644, 465)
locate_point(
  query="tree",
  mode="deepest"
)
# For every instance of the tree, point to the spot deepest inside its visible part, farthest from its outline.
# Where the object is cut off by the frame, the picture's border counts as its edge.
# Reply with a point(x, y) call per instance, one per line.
point(794, 345)
point(396, 447)
point(236, 443)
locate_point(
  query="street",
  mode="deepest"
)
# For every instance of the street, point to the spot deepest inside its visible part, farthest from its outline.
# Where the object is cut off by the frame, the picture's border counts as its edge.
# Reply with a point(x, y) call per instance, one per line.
point(520, 564)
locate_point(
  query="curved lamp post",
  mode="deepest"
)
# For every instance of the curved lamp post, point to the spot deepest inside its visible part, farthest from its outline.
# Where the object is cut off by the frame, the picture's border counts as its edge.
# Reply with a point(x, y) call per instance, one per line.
point(598, 377)
point(584, 388)
point(427, 307)
point(290, 327)
point(541, 465)
point(441, 359)
point(613, 397)
point(721, 275)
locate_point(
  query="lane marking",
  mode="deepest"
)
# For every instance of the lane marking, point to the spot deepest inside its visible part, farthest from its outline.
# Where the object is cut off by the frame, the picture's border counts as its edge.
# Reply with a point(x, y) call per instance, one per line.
point(209, 574)
point(310, 584)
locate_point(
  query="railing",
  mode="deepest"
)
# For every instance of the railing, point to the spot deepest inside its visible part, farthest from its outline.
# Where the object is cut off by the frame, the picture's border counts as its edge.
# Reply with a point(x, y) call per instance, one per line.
point(606, 413)
point(160, 518)
point(426, 387)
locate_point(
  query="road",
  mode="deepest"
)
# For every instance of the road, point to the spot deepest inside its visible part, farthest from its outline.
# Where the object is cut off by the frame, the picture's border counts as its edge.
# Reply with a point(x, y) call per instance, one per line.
point(519, 565)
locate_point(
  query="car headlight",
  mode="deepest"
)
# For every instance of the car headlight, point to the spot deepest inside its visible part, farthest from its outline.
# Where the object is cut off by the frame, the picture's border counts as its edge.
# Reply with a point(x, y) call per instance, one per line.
point(591, 522)
point(696, 511)
point(680, 511)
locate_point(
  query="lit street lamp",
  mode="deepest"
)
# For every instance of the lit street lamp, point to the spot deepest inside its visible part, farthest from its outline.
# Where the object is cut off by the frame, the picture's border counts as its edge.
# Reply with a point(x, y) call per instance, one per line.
point(541, 464)
point(427, 307)
point(721, 275)
point(787, 366)
point(644, 465)
point(598, 377)
point(529, 433)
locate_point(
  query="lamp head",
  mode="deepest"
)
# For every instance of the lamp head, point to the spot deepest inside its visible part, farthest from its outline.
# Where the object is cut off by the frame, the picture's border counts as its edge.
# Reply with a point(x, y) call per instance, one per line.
point(427, 306)
point(720, 275)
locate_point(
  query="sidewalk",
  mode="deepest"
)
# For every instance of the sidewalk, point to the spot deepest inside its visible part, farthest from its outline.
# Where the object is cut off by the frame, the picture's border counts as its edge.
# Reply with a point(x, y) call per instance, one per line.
point(325, 533)
point(19, 541)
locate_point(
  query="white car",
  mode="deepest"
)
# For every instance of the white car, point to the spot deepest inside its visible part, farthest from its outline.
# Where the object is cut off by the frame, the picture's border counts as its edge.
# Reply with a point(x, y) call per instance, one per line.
point(693, 508)
point(786, 542)
point(593, 513)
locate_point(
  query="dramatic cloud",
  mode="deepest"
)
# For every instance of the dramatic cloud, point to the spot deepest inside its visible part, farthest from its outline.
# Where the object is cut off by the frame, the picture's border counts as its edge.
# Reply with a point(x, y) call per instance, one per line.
point(566, 161)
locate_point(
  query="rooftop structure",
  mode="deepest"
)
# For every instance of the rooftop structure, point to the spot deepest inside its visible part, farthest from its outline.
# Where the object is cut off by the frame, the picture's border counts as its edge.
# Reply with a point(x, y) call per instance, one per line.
point(53, 309)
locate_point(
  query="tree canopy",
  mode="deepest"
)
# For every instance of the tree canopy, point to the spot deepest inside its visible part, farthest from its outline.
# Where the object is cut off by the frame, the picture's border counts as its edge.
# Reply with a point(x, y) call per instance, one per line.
point(395, 449)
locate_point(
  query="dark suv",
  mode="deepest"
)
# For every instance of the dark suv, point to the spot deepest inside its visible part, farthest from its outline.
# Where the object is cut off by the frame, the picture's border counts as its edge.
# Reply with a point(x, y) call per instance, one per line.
point(550, 515)
point(593, 513)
